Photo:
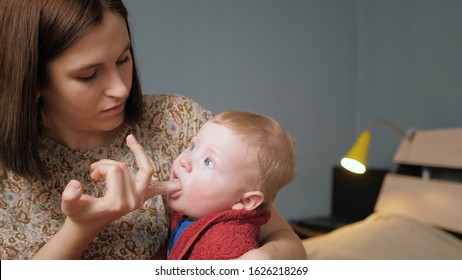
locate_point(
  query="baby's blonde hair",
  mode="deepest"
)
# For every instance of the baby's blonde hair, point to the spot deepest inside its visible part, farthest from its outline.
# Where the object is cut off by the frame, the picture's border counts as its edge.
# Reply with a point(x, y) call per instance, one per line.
point(270, 146)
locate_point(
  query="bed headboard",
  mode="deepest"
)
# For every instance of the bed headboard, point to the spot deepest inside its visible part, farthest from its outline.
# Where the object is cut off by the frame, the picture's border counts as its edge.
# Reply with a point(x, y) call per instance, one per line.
point(433, 201)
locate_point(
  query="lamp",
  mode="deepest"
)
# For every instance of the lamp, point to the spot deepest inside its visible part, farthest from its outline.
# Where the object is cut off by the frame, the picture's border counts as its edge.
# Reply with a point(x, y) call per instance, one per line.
point(356, 158)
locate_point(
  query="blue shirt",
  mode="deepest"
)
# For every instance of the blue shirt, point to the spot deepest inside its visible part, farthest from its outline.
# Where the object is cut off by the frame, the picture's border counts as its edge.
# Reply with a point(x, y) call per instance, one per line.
point(181, 226)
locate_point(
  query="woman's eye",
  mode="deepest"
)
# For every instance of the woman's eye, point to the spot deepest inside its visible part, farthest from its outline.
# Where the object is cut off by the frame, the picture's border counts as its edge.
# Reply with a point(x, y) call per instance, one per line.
point(208, 162)
point(122, 61)
point(87, 78)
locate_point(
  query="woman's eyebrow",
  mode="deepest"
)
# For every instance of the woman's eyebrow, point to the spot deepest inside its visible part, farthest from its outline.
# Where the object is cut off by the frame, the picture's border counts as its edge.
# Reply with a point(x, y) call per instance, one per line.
point(127, 47)
point(97, 64)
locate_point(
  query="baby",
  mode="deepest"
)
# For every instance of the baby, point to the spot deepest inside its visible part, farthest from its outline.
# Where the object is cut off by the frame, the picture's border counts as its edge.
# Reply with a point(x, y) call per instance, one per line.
point(229, 177)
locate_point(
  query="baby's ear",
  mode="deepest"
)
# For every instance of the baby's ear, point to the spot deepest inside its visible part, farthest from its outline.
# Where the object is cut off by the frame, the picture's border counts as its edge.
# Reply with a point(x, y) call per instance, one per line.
point(249, 201)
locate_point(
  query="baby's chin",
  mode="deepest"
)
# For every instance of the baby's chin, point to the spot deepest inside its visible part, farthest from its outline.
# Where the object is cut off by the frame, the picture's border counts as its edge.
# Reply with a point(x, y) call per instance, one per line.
point(190, 214)
point(173, 206)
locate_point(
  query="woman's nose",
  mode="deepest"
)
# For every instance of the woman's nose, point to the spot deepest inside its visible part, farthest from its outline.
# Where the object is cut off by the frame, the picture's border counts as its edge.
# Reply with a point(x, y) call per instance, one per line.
point(116, 86)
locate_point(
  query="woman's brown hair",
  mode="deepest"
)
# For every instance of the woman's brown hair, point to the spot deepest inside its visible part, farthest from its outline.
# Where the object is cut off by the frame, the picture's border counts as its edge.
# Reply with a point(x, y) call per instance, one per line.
point(33, 32)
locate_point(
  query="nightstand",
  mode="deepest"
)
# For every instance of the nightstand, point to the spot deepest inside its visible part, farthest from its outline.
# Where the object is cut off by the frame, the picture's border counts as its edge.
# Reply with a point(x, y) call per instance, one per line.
point(353, 198)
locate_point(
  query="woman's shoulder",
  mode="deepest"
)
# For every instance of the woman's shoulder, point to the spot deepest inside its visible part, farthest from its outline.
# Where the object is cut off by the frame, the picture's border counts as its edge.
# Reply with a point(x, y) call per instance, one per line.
point(174, 104)
point(165, 99)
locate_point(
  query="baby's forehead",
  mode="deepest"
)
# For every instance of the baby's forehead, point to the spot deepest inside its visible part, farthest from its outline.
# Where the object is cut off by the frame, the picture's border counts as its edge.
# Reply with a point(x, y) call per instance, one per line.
point(221, 136)
point(213, 127)
point(218, 135)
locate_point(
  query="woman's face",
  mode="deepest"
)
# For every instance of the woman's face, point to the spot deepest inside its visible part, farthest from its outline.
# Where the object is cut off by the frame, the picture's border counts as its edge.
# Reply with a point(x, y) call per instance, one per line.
point(89, 83)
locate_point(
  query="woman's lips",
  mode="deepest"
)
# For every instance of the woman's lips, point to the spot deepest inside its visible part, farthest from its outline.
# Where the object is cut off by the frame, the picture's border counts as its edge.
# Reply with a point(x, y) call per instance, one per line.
point(113, 111)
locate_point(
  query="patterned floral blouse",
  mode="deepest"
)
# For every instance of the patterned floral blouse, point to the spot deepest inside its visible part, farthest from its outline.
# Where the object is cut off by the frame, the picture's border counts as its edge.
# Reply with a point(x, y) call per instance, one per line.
point(30, 213)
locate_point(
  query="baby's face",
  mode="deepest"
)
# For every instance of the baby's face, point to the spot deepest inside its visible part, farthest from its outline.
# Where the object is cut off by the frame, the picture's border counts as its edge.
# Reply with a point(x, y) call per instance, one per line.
point(211, 172)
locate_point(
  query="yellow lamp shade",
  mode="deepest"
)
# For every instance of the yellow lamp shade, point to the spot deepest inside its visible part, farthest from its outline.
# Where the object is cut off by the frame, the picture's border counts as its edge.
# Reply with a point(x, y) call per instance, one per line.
point(356, 158)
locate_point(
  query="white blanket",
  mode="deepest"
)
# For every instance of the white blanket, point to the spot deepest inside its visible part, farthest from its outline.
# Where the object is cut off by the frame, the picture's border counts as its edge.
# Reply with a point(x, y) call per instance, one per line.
point(380, 237)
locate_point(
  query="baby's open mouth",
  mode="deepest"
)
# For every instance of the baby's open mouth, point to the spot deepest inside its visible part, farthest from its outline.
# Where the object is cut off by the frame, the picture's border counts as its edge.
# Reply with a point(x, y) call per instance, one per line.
point(175, 179)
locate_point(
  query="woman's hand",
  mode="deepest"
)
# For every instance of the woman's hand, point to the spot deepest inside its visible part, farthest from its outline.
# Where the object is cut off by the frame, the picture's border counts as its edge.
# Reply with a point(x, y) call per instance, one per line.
point(88, 215)
point(123, 195)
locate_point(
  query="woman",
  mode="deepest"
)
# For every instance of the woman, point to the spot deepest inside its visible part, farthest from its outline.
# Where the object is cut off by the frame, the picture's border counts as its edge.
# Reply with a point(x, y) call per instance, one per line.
point(70, 95)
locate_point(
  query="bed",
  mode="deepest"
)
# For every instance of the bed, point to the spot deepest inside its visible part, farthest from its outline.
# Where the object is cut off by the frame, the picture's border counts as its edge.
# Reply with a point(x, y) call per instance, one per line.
point(418, 213)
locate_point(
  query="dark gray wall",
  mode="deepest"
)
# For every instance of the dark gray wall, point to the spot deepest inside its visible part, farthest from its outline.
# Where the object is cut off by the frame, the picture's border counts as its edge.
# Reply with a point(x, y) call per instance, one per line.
point(323, 68)
point(410, 68)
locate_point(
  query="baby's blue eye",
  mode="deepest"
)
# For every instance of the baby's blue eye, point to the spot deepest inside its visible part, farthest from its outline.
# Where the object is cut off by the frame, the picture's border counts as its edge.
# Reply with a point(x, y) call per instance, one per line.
point(209, 163)
point(193, 147)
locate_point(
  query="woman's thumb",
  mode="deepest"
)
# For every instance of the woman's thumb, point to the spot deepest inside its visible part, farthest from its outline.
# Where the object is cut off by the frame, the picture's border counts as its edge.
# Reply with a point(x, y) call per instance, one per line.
point(71, 197)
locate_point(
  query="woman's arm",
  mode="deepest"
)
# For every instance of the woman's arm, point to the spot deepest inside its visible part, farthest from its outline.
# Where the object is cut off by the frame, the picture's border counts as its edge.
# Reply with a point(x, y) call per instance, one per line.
point(87, 215)
point(72, 239)
point(279, 241)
